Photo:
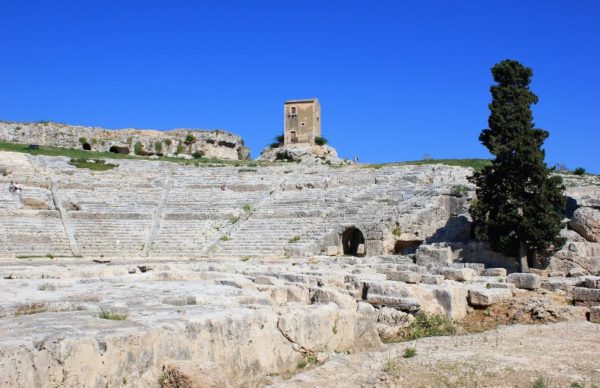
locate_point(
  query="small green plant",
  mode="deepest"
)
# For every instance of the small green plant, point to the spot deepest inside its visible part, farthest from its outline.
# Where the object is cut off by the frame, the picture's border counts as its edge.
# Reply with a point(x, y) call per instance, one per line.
point(162, 379)
point(389, 364)
point(94, 141)
point(410, 352)
point(82, 140)
point(112, 316)
point(225, 238)
point(189, 138)
point(310, 359)
point(459, 190)
point(138, 148)
point(158, 147)
point(124, 380)
point(579, 171)
point(576, 385)
point(247, 208)
point(426, 325)
point(294, 239)
point(168, 142)
point(50, 256)
point(285, 156)
point(319, 140)
point(279, 139)
point(540, 382)
point(234, 219)
point(244, 258)
point(397, 231)
point(197, 154)
point(180, 149)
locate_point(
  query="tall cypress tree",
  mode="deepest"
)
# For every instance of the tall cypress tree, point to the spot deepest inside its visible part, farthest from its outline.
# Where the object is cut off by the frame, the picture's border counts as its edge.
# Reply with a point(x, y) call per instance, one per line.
point(519, 203)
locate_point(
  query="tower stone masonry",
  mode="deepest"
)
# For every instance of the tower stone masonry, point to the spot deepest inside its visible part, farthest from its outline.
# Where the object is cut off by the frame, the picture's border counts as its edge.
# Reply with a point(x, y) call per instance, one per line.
point(302, 121)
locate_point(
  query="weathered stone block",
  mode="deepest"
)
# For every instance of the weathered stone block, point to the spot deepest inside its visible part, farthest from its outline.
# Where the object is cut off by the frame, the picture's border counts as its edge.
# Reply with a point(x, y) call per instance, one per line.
point(432, 255)
point(432, 279)
point(453, 299)
point(360, 250)
point(586, 295)
point(404, 276)
point(595, 314)
point(494, 272)
point(266, 280)
point(555, 284)
point(527, 281)
point(459, 274)
point(509, 286)
point(586, 222)
point(332, 250)
point(326, 296)
point(592, 282)
point(488, 296)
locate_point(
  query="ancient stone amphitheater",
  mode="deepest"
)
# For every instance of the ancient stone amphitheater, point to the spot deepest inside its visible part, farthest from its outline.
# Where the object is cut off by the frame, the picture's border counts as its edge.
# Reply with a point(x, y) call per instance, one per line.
point(163, 274)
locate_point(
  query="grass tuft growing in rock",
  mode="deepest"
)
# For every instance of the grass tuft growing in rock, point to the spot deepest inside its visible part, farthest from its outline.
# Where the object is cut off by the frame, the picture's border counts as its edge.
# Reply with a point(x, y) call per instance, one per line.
point(410, 352)
point(426, 325)
point(92, 164)
point(310, 359)
point(112, 316)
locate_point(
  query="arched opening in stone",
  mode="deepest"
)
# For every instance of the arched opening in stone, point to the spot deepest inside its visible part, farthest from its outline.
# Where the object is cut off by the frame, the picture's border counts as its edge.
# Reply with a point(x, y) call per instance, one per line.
point(86, 146)
point(119, 150)
point(406, 247)
point(352, 239)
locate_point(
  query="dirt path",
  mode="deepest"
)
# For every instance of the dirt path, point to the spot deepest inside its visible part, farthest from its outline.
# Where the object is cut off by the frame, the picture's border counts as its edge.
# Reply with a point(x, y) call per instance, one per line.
point(559, 354)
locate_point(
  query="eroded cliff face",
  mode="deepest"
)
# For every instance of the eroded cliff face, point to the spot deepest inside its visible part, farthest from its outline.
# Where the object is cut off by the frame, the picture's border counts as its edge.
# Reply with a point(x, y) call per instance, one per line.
point(213, 144)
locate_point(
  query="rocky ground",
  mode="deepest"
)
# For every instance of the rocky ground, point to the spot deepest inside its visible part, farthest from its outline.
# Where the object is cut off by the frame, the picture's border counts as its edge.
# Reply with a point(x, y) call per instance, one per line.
point(319, 321)
point(558, 355)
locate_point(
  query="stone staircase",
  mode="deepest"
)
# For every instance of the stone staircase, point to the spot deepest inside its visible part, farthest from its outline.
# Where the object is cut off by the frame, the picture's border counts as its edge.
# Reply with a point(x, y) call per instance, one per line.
point(154, 209)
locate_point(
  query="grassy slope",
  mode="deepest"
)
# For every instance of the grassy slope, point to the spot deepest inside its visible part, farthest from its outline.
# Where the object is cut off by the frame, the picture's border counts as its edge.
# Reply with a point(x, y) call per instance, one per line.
point(477, 164)
point(81, 154)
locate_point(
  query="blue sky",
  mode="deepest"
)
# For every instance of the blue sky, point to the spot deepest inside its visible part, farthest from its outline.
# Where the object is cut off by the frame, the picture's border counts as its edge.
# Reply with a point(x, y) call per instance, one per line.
point(396, 79)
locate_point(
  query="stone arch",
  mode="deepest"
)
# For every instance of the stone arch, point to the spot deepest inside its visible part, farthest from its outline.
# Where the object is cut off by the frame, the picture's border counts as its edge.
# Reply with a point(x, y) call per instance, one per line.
point(352, 238)
point(119, 150)
point(86, 146)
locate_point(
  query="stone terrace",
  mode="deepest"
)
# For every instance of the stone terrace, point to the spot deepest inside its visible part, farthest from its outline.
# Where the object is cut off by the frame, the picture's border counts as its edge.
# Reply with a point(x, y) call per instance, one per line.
point(159, 209)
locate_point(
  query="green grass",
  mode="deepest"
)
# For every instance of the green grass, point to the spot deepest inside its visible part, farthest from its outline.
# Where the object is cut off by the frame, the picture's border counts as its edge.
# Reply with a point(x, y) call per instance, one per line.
point(112, 316)
point(409, 352)
point(476, 164)
point(92, 164)
point(426, 325)
point(82, 154)
point(310, 359)
point(294, 239)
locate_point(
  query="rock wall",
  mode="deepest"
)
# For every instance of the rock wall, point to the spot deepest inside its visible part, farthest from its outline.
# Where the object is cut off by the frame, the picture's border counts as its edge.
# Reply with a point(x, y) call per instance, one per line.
point(213, 144)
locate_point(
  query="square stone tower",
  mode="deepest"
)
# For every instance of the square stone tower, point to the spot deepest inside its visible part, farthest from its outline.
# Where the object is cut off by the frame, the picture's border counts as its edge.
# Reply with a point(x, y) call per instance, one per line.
point(302, 121)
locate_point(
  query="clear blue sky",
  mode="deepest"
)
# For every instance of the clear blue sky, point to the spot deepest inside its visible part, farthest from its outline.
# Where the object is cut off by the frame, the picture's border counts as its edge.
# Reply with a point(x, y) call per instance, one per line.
point(396, 79)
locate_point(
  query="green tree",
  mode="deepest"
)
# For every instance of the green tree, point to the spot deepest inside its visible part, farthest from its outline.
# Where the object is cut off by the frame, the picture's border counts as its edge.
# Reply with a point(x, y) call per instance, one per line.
point(519, 203)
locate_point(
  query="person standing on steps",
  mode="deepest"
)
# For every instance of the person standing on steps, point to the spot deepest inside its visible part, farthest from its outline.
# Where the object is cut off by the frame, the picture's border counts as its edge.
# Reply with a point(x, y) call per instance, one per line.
point(17, 191)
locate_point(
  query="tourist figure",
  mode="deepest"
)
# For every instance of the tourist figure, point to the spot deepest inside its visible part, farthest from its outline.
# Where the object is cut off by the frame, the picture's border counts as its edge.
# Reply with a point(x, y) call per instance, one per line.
point(17, 191)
